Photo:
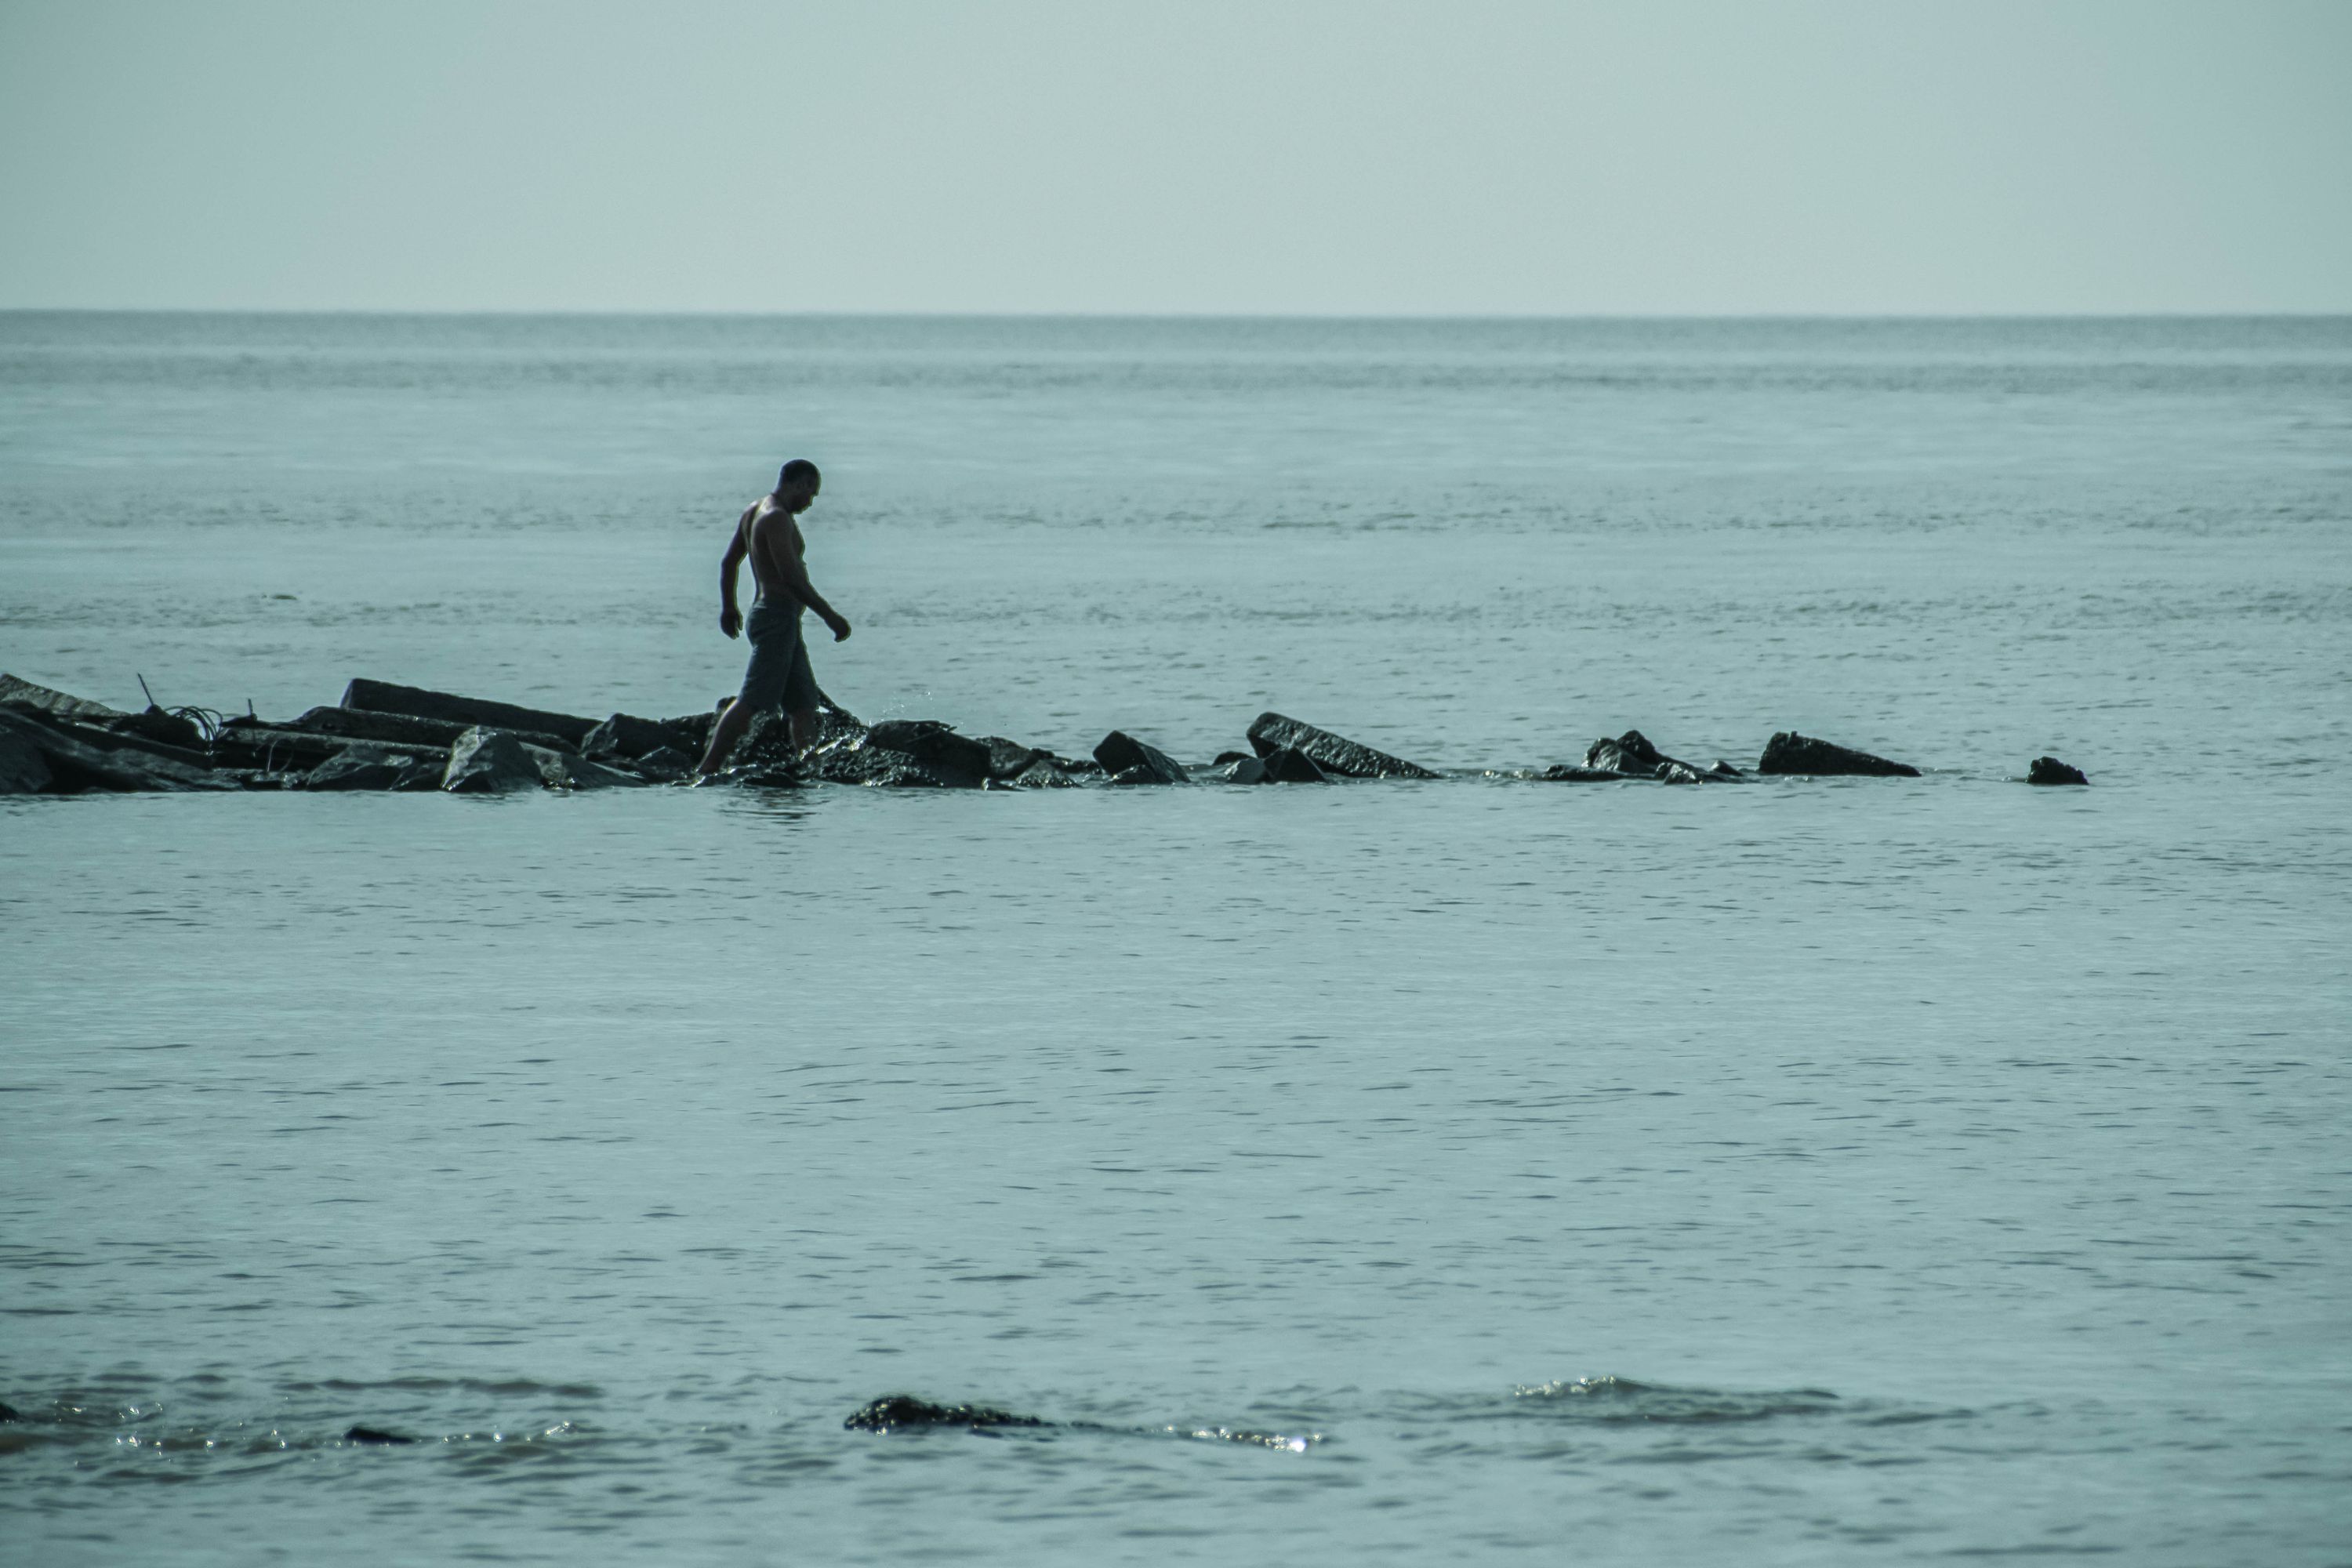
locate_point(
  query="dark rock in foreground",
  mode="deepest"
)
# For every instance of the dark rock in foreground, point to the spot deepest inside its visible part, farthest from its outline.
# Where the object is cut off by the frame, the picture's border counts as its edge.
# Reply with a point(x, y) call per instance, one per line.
point(905, 1413)
point(1128, 760)
point(1790, 752)
point(1332, 754)
point(375, 1435)
point(2051, 771)
point(385, 697)
point(1241, 770)
point(1571, 773)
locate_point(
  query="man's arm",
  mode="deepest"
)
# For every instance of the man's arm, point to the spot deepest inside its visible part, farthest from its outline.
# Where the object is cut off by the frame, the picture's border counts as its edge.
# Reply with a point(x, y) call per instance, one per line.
point(730, 619)
point(793, 571)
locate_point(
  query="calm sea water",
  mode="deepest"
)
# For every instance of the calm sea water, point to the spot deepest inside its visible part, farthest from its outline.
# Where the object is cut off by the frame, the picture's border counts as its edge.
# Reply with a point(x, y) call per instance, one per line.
point(1937, 1167)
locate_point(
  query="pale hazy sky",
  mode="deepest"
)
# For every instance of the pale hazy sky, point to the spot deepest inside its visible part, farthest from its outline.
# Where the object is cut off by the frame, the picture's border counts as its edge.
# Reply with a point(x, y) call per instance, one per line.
point(1027, 155)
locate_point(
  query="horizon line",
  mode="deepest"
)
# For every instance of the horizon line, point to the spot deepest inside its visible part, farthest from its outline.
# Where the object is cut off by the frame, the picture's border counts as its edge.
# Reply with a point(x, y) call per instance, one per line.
point(502, 312)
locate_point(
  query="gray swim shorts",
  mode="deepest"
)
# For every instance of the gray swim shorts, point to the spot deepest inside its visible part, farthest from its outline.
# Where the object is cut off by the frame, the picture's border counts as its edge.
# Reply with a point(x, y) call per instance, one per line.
point(778, 674)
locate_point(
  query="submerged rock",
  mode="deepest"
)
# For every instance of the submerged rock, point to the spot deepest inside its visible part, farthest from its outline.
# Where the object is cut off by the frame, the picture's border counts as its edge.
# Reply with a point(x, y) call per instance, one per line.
point(385, 697)
point(1332, 754)
point(275, 748)
point(375, 1435)
point(1790, 752)
point(1128, 760)
point(2051, 771)
point(904, 1412)
point(1571, 772)
point(1240, 770)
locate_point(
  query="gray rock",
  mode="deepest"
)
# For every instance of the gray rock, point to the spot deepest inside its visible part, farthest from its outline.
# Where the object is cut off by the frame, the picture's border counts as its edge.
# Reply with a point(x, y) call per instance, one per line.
point(665, 762)
point(1284, 766)
point(1569, 772)
point(1240, 770)
point(1223, 758)
point(23, 770)
point(491, 762)
point(365, 764)
point(385, 697)
point(1332, 754)
point(2051, 771)
point(1122, 754)
point(1790, 752)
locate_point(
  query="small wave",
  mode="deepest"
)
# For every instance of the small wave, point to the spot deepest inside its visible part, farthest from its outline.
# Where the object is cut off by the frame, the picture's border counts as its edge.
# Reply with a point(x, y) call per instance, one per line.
point(1610, 1399)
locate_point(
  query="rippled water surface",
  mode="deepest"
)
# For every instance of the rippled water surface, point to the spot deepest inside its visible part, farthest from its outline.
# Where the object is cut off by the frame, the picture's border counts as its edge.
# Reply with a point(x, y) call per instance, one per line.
point(1778, 1171)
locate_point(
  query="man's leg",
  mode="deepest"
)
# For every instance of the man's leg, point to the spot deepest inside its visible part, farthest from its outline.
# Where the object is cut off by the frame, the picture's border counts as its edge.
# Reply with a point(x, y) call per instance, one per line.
point(805, 730)
point(726, 732)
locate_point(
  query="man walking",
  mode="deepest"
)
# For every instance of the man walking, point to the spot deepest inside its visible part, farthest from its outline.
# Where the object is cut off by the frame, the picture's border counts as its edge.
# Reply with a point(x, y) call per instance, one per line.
point(778, 674)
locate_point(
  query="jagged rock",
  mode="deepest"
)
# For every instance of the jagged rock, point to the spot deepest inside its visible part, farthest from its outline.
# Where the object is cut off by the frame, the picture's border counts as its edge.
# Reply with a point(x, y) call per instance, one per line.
point(385, 697)
point(1284, 766)
point(1332, 754)
point(174, 736)
point(1571, 773)
point(9, 1411)
point(375, 1435)
point(958, 760)
point(22, 769)
point(365, 764)
point(1631, 755)
point(1009, 759)
point(1790, 752)
point(1240, 770)
point(489, 761)
point(904, 1412)
point(859, 761)
point(665, 762)
point(1223, 758)
point(1128, 760)
point(76, 762)
point(627, 736)
point(2051, 771)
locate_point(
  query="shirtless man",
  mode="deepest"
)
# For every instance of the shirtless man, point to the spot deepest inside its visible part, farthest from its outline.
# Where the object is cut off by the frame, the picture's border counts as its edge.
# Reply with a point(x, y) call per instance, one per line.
point(779, 672)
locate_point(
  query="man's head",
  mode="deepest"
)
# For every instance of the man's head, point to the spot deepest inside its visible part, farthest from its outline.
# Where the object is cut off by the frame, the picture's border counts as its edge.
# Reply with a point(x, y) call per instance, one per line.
point(797, 484)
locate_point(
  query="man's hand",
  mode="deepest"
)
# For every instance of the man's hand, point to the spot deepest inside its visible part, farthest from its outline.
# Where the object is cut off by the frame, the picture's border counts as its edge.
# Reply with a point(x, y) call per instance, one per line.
point(840, 628)
point(730, 620)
